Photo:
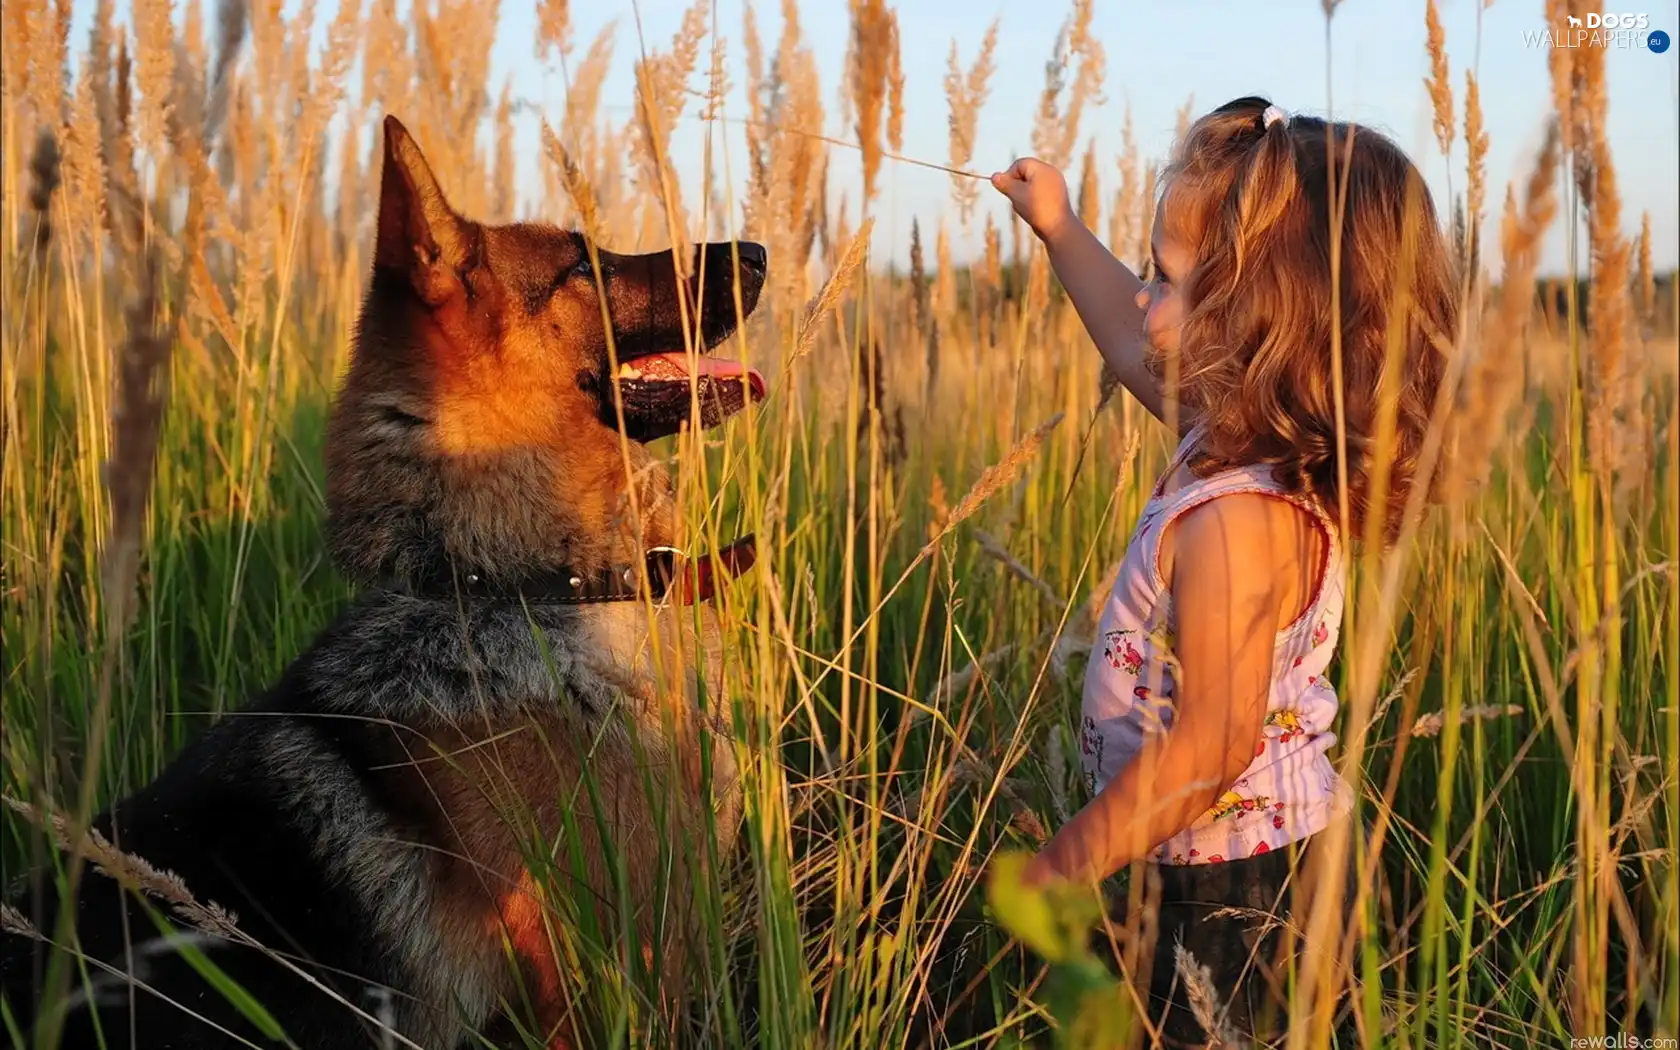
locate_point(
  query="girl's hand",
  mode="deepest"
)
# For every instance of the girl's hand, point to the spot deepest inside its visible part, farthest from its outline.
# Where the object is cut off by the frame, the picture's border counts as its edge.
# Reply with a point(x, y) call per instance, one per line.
point(1039, 194)
point(1038, 872)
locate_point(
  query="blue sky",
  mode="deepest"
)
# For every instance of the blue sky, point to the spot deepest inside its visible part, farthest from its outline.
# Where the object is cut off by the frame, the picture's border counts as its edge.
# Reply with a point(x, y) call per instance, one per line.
point(1207, 51)
point(1159, 56)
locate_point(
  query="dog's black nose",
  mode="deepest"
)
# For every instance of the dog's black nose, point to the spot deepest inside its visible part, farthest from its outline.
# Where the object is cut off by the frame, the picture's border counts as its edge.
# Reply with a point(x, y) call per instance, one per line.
point(753, 257)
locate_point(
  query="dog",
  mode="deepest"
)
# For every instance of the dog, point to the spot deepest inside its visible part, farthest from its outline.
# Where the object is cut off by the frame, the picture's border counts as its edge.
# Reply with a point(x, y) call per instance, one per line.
point(1574, 23)
point(416, 799)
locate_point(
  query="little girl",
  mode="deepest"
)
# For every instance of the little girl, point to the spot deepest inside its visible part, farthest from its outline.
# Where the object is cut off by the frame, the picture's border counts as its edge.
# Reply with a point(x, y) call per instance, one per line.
point(1207, 711)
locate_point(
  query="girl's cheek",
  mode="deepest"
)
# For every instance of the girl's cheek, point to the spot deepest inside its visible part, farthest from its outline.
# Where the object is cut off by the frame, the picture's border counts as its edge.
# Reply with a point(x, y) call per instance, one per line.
point(1162, 323)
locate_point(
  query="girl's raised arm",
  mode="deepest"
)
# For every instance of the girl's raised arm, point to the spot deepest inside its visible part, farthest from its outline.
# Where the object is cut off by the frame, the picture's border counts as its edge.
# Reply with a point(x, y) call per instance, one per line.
point(1103, 290)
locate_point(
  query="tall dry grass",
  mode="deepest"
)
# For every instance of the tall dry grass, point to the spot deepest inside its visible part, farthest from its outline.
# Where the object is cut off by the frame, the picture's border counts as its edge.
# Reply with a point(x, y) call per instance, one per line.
point(184, 249)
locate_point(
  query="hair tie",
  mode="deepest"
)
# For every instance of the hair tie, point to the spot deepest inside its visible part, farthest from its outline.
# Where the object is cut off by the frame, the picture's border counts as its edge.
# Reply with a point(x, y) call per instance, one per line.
point(1271, 116)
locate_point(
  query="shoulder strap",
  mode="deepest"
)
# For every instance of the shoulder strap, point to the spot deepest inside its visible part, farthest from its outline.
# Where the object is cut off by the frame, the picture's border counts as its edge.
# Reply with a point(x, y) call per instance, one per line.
point(1229, 483)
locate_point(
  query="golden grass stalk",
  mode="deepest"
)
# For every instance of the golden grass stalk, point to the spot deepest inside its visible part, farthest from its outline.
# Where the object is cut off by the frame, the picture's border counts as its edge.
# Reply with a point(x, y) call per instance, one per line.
point(154, 39)
point(661, 95)
point(192, 57)
point(326, 86)
point(1614, 400)
point(1203, 999)
point(49, 47)
point(787, 170)
point(554, 29)
point(976, 773)
point(752, 47)
point(851, 261)
point(1431, 723)
point(387, 65)
point(994, 548)
point(1087, 82)
point(13, 922)
point(1047, 121)
point(1182, 127)
point(576, 184)
point(1090, 191)
point(1150, 203)
point(503, 171)
point(842, 227)
point(1645, 278)
point(133, 872)
point(994, 254)
point(717, 89)
point(1072, 639)
point(895, 87)
point(1496, 375)
point(136, 418)
point(1011, 791)
point(122, 191)
point(991, 293)
point(1057, 769)
point(43, 181)
point(137, 874)
point(15, 52)
point(1439, 81)
point(84, 164)
point(995, 477)
point(871, 42)
point(1038, 284)
point(231, 22)
point(583, 94)
point(918, 279)
point(102, 43)
point(1124, 212)
point(1476, 145)
point(24, 20)
point(1563, 71)
point(965, 93)
point(957, 681)
point(945, 278)
point(939, 507)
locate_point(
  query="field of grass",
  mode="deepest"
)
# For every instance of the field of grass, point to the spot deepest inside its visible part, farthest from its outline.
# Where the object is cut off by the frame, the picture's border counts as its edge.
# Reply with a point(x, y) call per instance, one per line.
point(184, 250)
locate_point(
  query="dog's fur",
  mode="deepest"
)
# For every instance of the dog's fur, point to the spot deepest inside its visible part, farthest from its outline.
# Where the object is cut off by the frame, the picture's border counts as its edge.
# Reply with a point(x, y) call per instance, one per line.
point(374, 815)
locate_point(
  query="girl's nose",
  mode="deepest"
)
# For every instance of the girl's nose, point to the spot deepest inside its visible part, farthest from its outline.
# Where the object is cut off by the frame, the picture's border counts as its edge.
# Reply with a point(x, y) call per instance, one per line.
point(1142, 298)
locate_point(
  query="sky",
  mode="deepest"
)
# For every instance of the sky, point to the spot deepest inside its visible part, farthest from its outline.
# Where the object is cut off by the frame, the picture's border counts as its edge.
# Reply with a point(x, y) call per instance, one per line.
point(1160, 55)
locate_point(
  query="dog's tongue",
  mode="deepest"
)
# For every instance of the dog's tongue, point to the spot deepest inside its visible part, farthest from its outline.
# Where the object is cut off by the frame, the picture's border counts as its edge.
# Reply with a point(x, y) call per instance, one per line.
point(675, 367)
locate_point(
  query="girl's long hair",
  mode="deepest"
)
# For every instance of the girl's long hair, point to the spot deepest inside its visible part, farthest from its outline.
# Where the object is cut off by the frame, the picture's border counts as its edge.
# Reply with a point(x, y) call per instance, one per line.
point(1255, 355)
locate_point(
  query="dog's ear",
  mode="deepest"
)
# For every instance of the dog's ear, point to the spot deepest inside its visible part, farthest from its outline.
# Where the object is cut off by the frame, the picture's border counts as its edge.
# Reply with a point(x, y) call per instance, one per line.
point(420, 236)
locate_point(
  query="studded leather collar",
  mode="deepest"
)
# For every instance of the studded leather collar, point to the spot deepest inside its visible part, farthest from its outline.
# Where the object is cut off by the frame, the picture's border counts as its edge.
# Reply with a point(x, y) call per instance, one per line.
point(670, 576)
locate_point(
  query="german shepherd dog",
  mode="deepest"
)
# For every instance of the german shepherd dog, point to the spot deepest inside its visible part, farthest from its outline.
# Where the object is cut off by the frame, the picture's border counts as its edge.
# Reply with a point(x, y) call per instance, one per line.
point(389, 821)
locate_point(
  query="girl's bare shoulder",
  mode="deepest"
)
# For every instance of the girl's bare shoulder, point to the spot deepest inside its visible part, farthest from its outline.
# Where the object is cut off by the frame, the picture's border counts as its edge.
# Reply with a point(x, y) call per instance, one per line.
point(1274, 541)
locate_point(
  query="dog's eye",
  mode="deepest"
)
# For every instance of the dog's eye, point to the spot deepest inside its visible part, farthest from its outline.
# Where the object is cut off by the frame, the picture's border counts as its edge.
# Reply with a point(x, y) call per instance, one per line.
point(582, 270)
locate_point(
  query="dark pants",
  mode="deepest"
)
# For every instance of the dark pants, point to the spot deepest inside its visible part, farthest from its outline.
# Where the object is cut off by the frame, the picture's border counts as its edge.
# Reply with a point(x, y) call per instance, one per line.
point(1242, 920)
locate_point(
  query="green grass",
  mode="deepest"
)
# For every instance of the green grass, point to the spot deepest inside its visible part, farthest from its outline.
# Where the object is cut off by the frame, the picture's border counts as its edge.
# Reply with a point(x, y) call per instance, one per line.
point(854, 908)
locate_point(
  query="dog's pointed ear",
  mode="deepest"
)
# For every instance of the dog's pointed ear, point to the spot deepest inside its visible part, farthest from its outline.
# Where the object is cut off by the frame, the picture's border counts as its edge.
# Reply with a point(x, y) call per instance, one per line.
point(420, 236)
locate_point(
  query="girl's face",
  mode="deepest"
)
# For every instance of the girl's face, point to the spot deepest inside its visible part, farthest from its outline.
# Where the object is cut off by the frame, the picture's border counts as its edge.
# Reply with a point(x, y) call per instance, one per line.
point(1162, 299)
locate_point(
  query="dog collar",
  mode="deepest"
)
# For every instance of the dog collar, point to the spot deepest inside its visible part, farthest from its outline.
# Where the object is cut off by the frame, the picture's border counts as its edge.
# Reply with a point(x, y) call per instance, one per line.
point(670, 575)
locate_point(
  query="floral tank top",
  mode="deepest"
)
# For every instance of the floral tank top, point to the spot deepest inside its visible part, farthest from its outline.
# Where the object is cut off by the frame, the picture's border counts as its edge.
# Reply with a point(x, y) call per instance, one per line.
point(1289, 790)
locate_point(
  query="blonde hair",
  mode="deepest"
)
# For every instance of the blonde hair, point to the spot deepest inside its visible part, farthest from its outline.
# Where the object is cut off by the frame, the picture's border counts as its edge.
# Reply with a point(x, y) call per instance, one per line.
point(1254, 196)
